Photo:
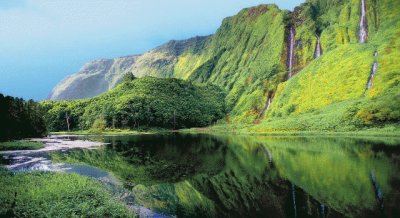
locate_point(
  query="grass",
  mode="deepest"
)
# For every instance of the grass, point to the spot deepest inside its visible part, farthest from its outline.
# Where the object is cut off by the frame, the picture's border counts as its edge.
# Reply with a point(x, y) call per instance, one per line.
point(110, 131)
point(249, 129)
point(56, 195)
point(20, 145)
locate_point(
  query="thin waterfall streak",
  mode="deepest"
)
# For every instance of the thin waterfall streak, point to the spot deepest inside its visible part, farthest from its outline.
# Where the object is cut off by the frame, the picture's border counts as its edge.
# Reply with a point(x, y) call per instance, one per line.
point(363, 32)
point(374, 68)
point(318, 48)
point(291, 52)
point(267, 105)
point(371, 76)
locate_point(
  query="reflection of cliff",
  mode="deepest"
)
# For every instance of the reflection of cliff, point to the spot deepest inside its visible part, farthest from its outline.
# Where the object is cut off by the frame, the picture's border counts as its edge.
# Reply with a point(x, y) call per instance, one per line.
point(328, 175)
point(246, 187)
point(336, 172)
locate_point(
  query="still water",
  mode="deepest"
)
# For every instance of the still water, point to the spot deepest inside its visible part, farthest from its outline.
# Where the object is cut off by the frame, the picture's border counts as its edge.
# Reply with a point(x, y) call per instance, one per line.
point(252, 176)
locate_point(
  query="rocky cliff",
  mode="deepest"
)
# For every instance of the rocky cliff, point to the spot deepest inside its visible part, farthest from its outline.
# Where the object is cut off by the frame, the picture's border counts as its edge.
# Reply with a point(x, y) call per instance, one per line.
point(98, 76)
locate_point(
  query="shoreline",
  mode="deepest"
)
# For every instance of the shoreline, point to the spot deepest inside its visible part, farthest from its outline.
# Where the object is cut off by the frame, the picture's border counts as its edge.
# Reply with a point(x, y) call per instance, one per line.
point(241, 131)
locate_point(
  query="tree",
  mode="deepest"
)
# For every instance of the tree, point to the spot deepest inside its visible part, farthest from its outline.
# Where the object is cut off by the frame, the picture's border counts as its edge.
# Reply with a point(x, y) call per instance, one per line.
point(128, 77)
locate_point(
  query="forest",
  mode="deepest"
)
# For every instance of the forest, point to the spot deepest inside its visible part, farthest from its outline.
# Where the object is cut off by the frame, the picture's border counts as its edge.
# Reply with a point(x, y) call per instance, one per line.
point(20, 118)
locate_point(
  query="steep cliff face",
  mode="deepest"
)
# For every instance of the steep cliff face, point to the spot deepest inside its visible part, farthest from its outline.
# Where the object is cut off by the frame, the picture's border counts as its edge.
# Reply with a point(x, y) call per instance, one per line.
point(246, 56)
point(99, 76)
point(345, 85)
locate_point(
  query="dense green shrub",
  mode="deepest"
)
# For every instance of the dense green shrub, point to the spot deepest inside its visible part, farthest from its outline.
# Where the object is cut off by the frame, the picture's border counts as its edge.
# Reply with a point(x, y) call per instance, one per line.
point(99, 124)
point(56, 195)
point(383, 109)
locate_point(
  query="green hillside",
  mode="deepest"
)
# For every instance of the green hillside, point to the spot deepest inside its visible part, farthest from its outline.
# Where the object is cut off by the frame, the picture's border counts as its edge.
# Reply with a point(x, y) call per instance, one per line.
point(140, 103)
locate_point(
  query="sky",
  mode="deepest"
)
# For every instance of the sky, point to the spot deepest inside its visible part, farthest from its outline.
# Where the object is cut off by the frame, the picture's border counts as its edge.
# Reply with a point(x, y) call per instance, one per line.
point(43, 41)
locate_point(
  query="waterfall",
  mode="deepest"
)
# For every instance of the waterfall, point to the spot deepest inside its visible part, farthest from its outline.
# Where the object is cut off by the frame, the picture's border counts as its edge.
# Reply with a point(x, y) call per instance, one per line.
point(378, 191)
point(294, 200)
point(374, 68)
point(261, 115)
point(363, 32)
point(371, 77)
point(268, 103)
point(291, 52)
point(318, 48)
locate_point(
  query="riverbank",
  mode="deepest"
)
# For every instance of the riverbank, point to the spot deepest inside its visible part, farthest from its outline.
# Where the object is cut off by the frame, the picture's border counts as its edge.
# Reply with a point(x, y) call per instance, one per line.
point(243, 129)
point(248, 129)
point(110, 131)
point(20, 145)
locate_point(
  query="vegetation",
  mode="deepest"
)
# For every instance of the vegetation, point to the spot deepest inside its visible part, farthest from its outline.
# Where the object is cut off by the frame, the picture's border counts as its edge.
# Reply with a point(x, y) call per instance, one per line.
point(56, 195)
point(20, 145)
point(20, 119)
point(140, 103)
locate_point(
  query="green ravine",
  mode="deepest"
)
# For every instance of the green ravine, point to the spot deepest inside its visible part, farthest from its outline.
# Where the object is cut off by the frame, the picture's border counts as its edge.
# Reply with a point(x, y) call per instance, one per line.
point(248, 58)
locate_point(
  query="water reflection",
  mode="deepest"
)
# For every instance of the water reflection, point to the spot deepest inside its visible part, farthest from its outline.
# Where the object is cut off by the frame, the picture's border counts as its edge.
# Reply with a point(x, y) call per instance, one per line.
point(237, 176)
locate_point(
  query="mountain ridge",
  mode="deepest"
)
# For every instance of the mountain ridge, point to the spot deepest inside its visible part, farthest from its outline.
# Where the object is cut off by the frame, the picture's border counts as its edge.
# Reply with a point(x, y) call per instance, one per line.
point(98, 76)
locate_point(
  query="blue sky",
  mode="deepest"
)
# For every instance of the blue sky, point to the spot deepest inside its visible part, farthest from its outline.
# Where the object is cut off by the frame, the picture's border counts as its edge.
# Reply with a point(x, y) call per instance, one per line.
point(43, 41)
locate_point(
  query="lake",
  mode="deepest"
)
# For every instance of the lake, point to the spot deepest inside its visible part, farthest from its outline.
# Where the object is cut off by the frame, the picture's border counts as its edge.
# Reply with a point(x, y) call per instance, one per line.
point(203, 175)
